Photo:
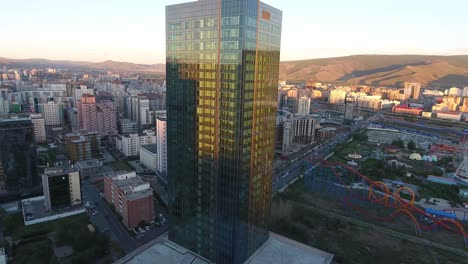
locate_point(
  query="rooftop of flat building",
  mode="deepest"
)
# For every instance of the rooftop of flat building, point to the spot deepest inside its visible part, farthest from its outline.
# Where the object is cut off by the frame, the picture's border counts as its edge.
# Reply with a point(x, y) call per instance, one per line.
point(277, 249)
point(81, 133)
point(139, 194)
point(79, 139)
point(88, 164)
point(131, 186)
point(161, 250)
point(153, 148)
point(60, 170)
point(145, 133)
point(127, 121)
point(12, 119)
point(282, 250)
point(34, 212)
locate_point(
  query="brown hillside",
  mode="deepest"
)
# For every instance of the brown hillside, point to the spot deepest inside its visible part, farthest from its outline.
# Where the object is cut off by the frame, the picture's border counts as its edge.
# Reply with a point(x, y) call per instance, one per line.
point(381, 69)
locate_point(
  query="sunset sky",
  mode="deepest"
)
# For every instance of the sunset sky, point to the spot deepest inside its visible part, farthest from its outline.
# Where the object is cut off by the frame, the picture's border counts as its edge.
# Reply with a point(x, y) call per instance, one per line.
point(122, 30)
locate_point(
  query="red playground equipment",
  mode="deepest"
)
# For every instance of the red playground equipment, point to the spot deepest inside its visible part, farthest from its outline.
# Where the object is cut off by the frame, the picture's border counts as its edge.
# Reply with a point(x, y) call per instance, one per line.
point(348, 184)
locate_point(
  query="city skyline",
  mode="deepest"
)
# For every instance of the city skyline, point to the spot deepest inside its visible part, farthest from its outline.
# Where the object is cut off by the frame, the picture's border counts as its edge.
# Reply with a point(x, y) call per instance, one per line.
point(119, 31)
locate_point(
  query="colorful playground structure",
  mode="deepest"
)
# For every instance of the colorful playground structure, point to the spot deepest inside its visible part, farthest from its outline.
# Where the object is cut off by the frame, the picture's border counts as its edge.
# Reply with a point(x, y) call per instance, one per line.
point(354, 189)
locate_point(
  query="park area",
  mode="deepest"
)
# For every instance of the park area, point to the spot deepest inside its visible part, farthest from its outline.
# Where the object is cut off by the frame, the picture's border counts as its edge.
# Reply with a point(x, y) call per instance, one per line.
point(68, 240)
point(326, 223)
point(393, 162)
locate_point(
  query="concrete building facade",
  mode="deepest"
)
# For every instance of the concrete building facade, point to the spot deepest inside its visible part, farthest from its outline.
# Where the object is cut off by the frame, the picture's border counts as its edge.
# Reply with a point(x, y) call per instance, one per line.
point(161, 132)
point(337, 97)
point(412, 90)
point(62, 188)
point(303, 107)
point(98, 116)
point(52, 113)
point(149, 156)
point(39, 128)
point(127, 126)
point(450, 115)
point(304, 129)
point(4, 106)
point(131, 197)
point(83, 145)
point(130, 144)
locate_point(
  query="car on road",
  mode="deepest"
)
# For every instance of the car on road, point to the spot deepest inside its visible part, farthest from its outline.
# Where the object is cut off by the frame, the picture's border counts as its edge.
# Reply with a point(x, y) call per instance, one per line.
point(95, 212)
point(147, 228)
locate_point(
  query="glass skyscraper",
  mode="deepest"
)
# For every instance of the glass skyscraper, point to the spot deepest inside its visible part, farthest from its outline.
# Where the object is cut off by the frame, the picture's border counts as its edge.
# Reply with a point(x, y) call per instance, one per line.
point(222, 77)
point(18, 162)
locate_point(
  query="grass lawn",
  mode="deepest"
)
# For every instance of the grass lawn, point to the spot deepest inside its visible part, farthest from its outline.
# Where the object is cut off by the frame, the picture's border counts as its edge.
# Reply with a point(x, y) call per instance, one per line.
point(36, 246)
point(295, 215)
point(342, 151)
point(351, 243)
point(20, 231)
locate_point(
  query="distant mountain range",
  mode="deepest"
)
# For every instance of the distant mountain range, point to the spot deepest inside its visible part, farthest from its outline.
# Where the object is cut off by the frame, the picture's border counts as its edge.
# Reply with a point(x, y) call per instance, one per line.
point(109, 65)
point(387, 70)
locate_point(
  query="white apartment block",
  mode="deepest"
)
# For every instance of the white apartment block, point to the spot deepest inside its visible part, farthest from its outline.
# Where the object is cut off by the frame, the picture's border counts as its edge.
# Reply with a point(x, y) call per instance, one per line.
point(303, 107)
point(149, 156)
point(161, 132)
point(337, 97)
point(39, 128)
point(79, 92)
point(144, 111)
point(4, 106)
point(454, 91)
point(52, 113)
point(130, 144)
point(450, 115)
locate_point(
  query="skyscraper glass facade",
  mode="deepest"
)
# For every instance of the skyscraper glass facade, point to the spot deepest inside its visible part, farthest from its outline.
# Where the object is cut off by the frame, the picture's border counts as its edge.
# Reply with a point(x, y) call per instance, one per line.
point(18, 168)
point(222, 76)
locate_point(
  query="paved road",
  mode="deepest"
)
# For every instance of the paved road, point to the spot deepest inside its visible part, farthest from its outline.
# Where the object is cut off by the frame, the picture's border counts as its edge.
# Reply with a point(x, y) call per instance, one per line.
point(107, 221)
point(300, 164)
point(110, 222)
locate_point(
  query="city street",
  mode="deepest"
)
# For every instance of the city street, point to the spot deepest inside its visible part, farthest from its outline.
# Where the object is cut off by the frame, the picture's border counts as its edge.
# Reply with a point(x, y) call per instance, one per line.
point(106, 221)
point(301, 163)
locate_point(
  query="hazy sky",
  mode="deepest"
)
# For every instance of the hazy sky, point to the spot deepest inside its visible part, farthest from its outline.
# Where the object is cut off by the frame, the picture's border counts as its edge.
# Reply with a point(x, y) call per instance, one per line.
point(133, 30)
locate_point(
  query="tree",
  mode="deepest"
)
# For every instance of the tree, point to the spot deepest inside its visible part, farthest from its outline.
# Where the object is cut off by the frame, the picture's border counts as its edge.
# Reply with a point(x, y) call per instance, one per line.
point(361, 137)
point(411, 145)
point(399, 143)
point(11, 222)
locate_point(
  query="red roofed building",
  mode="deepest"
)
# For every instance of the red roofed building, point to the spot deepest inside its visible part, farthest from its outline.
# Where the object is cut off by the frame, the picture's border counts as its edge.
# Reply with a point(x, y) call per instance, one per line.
point(404, 109)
